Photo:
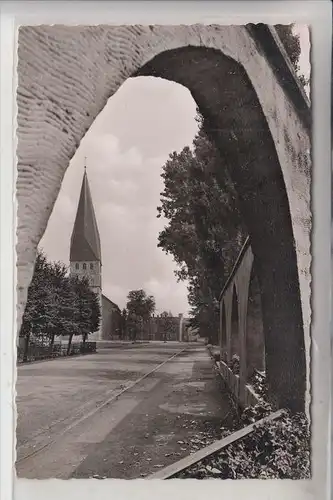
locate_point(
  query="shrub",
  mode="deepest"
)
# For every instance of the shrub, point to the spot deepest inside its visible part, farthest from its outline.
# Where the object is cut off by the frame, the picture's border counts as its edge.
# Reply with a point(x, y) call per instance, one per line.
point(258, 382)
point(234, 364)
point(279, 449)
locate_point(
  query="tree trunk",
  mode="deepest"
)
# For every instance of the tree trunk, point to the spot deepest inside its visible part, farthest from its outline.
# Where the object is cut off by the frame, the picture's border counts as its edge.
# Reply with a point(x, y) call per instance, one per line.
point(26, 347)
point(83, 346)
point(69, 344)
point(52, 340)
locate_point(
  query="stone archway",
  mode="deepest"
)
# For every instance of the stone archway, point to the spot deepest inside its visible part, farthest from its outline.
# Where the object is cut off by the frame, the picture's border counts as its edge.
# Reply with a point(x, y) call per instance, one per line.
point(66, 75)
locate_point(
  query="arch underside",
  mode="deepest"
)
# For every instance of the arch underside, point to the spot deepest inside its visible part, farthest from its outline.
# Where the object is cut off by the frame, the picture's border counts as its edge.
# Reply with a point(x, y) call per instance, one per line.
point(235, 334)
point(234, 120)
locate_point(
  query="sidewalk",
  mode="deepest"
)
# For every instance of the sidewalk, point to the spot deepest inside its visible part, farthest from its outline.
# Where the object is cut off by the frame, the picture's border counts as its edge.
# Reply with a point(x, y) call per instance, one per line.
point(178, 410)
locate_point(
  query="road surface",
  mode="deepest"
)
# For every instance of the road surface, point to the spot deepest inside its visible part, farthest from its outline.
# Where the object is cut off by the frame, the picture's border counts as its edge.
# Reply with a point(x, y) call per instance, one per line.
point(122, 413)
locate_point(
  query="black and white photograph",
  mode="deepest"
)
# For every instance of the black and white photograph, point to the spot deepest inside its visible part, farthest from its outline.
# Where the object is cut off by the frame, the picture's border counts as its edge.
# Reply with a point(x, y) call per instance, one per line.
point(164, 252)
point(164, 219)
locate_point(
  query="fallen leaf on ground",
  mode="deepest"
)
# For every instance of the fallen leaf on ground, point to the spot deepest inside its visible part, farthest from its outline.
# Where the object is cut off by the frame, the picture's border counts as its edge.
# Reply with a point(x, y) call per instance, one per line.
point(216, 471)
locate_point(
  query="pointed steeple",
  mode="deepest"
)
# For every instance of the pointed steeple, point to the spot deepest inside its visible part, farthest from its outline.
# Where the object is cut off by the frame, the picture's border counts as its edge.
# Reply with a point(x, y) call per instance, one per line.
point(85, 241)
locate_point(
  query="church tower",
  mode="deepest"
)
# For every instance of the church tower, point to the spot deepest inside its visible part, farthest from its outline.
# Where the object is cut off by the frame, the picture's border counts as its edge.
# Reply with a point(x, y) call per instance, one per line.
point(85, 251)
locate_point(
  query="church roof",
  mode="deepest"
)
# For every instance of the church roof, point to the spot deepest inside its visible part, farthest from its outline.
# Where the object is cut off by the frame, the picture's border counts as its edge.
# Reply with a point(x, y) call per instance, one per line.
point(85, 241)
point(115, 306)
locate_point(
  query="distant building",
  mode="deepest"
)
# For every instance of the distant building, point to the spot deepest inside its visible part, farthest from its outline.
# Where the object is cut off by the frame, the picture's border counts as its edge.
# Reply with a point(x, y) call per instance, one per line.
point(170, 328)
point(111, 320)
point(86, 260)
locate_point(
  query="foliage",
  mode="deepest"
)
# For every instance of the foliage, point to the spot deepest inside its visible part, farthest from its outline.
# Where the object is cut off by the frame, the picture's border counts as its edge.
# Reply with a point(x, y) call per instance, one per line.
point(234, 364)
point(139, 308)
point(252, 414)
point(140, 304)
point(205, 231)
point(279, 449)
point(259, 384)
point(134, 325)
point(58, 304)
point(86, 310)
point(291, 43)
point(123, 324)
point(168, 324)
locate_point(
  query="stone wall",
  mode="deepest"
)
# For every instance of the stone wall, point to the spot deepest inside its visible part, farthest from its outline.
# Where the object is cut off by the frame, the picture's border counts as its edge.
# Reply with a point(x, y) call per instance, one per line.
point(111, 323)
point(245, 397)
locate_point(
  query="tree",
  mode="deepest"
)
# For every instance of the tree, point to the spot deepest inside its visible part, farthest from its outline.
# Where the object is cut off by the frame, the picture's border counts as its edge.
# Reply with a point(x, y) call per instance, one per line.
point(35, 317)
point(134, 325)
point(57, 278)
point(291, 43)
point(140, 307)
point(96, 313)
point(204, 230)
point(87, 312)
point(168, 324)
point(123, 324)
point(58, 304)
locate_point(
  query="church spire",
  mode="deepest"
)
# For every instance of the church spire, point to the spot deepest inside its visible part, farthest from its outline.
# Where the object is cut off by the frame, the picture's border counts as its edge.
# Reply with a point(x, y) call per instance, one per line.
point(85, 241)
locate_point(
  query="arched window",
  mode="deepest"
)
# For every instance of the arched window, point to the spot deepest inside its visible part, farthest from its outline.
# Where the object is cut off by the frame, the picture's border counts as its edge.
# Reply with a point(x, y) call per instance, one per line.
point(91, 265)
point(84, 266)
point(77, 266)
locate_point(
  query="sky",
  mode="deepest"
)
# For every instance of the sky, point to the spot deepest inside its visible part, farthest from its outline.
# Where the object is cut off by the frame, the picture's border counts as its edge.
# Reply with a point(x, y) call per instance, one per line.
point(126, 148)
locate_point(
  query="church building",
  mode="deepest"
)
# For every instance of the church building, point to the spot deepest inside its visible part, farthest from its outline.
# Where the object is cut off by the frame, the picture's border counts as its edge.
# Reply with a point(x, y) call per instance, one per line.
point(86, 260)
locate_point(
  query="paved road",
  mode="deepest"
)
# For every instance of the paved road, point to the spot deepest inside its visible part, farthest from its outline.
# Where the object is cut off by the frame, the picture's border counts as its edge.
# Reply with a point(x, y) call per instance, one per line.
point(76, 418)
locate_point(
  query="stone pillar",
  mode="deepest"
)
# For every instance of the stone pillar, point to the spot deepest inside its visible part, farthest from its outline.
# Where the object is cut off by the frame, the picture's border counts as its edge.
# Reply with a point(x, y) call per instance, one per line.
point(220, 330)
point(243, 281)
point(243, 346)
point(228, 306)
point(235, 316)
point(223, 332)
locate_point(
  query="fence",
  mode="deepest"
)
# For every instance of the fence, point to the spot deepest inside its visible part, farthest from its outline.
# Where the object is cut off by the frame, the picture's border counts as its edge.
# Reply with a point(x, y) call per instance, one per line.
point(38, 352)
